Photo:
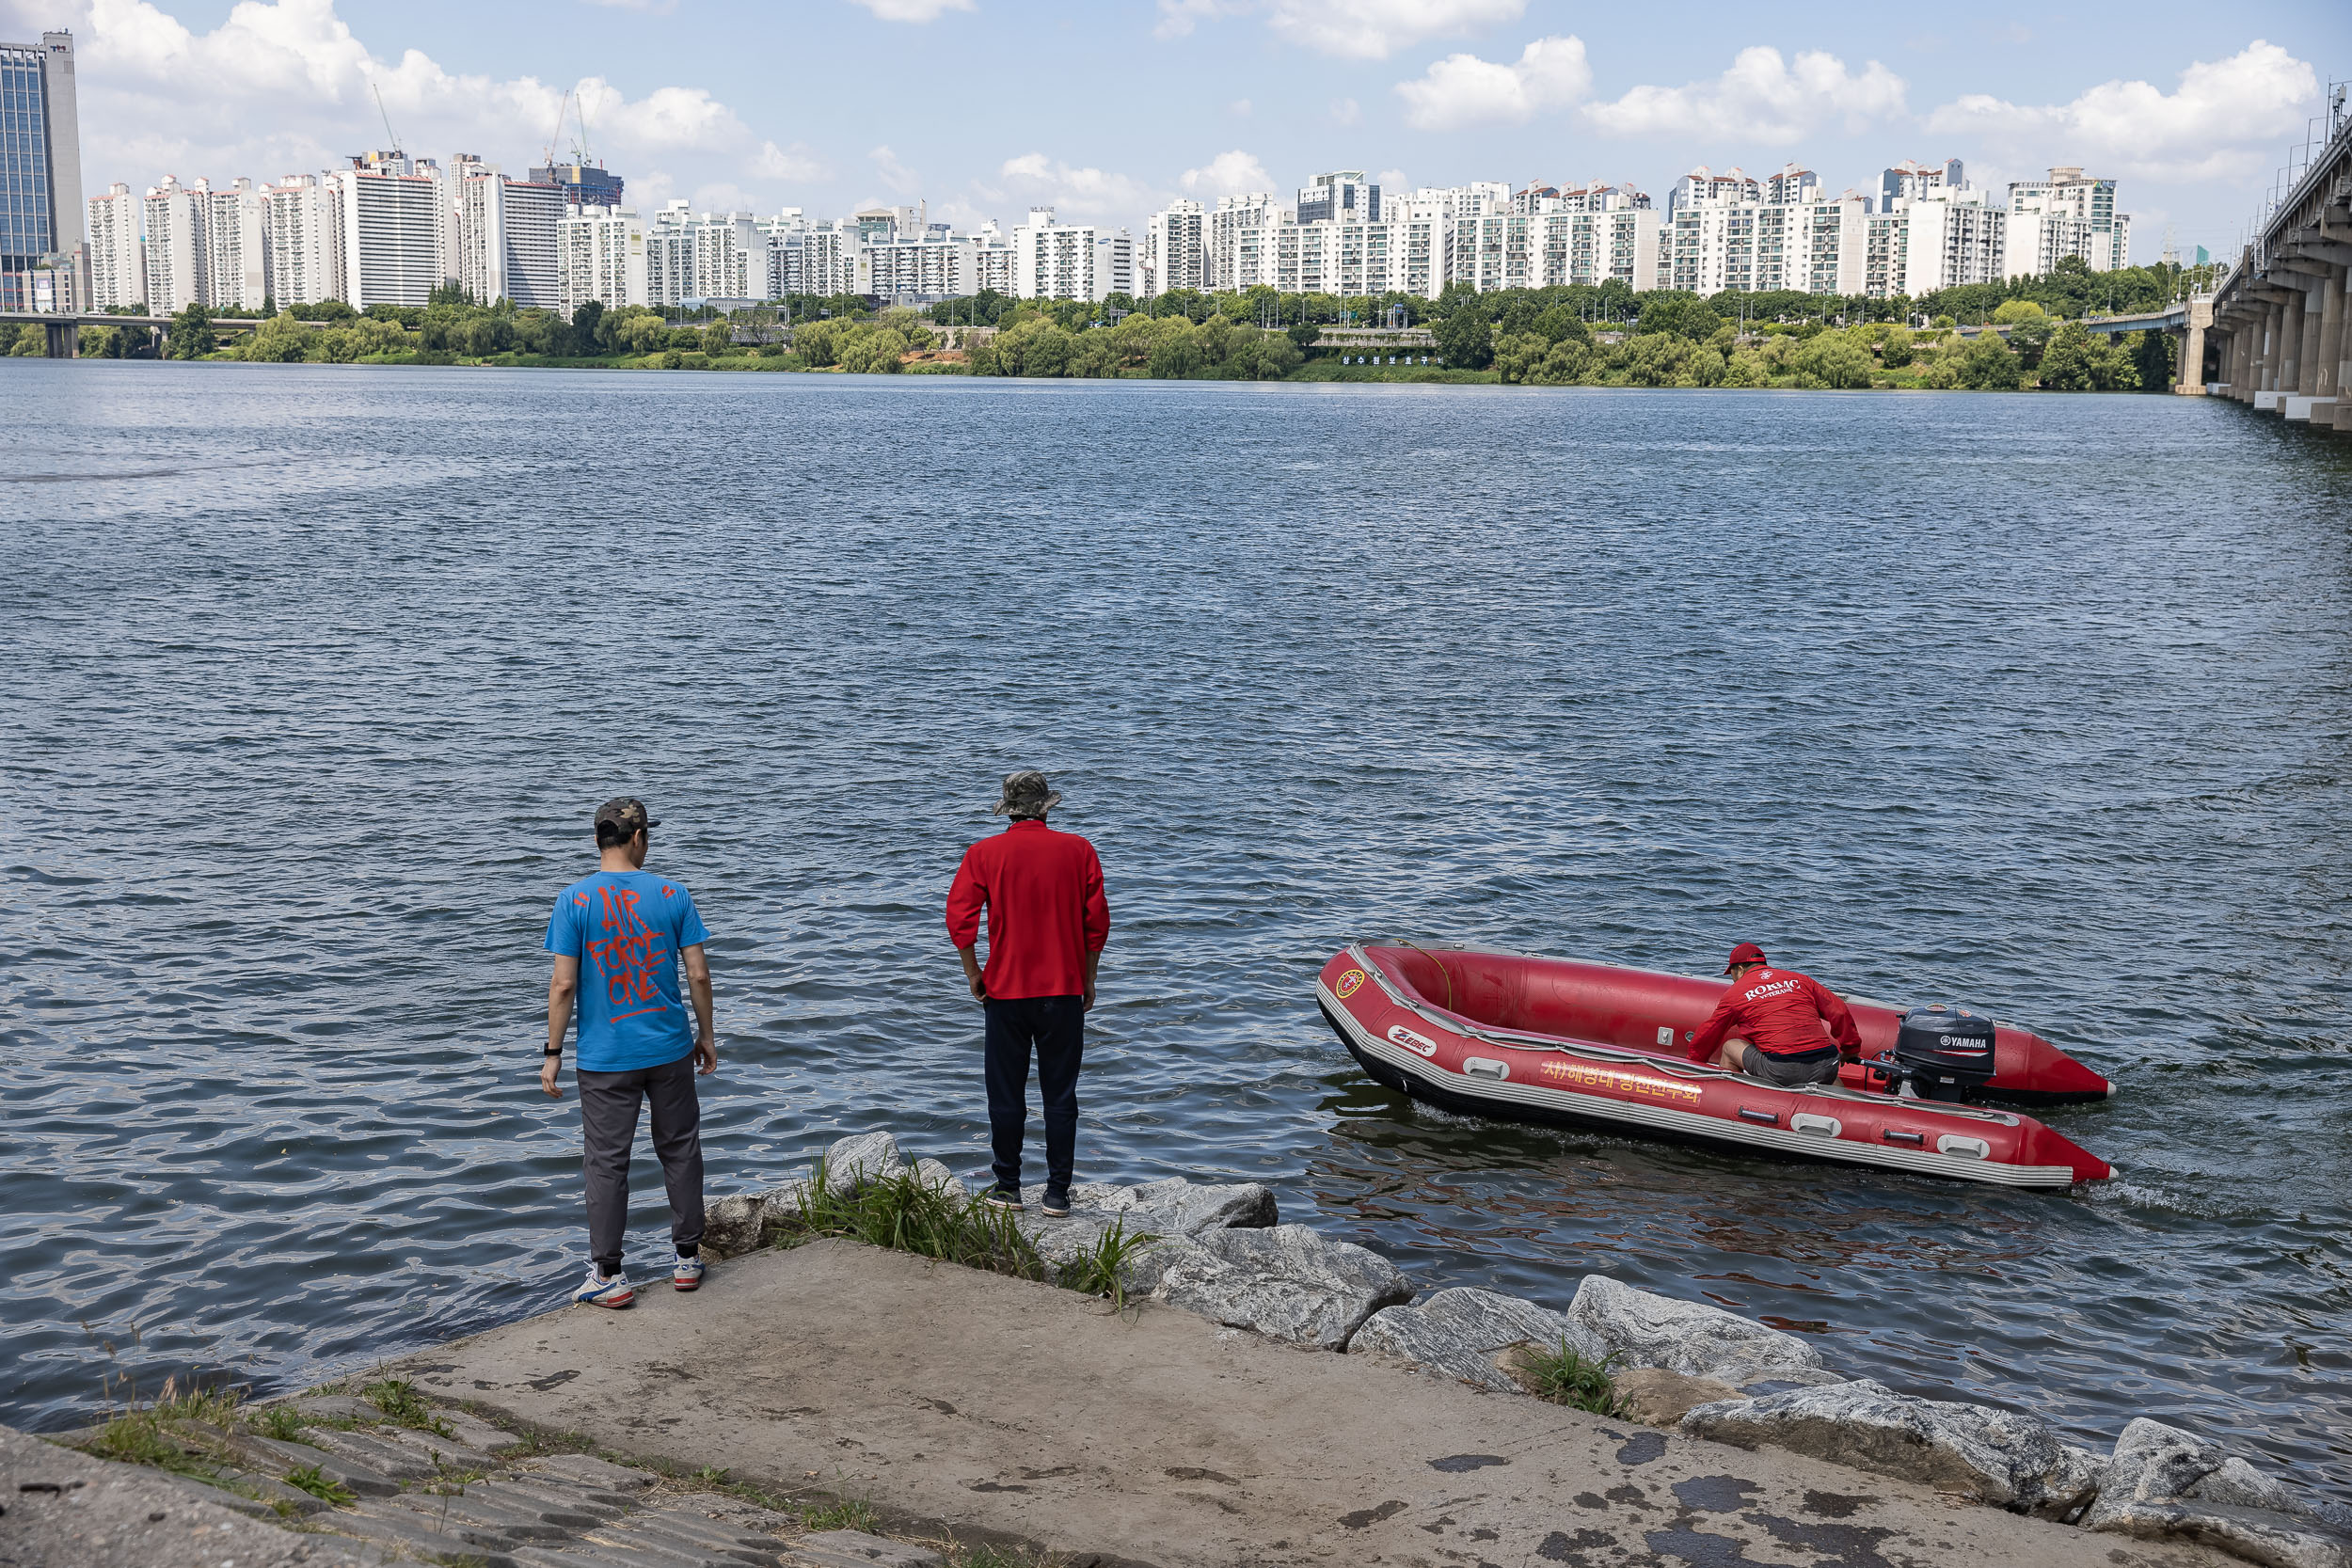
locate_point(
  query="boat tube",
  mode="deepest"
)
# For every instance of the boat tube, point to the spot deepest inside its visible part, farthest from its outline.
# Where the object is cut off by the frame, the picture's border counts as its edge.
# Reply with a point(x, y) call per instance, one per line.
point(1563, 1040)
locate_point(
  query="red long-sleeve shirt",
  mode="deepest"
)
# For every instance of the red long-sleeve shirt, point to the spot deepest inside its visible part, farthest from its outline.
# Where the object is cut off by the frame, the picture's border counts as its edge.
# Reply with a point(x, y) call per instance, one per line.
point(1044, 895)
point(1781, 1013)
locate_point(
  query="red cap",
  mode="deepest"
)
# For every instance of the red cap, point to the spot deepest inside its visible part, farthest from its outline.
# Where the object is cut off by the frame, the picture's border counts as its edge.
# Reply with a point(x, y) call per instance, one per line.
point(1747, 953)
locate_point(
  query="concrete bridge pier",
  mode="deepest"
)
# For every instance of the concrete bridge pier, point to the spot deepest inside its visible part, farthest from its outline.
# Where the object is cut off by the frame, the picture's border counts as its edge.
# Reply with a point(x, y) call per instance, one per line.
point(2328, 353)
point(61, 340)
point(2191, 381)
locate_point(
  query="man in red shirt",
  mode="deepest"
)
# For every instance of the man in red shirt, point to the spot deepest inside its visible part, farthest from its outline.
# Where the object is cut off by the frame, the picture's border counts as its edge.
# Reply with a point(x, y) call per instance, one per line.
point(1776, 1024)
point(1047, 922)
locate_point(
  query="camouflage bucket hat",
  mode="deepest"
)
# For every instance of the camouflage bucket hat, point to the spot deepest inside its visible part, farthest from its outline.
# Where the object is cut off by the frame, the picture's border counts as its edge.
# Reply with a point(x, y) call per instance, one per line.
point(1026, 794)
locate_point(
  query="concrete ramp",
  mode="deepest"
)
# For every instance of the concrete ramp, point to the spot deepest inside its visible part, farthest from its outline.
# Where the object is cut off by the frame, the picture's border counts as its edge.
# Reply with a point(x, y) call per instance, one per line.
point(965, 1404)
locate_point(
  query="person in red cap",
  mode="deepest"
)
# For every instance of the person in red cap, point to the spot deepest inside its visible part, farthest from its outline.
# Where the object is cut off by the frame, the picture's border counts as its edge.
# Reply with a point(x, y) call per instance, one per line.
point(1776, 1024)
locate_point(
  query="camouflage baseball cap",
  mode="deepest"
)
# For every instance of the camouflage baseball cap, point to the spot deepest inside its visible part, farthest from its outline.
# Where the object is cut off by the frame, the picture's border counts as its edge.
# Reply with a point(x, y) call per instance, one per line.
point(1026, 794)
point(625, 815)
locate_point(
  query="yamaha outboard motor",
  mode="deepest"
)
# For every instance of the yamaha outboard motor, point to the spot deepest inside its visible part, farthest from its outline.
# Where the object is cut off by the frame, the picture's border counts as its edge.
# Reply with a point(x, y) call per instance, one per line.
point(1941, 1053)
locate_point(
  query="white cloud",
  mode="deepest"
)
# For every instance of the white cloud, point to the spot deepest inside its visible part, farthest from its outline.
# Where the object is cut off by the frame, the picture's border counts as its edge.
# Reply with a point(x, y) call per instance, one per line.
point(786, 162)
point(1226, 174)
point(1462, 89)
point(1238, 108)
point(912, 10)
point(1761, 98)
point(282, 87)
point(894, 173)
point(1392, 180)
point(1352, 29)
point(1346, 111)
point(2225, 117)
point(1035, 179)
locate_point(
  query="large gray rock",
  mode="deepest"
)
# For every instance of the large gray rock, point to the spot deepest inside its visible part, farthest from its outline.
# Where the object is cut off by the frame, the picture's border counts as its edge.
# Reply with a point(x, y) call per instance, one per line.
point(1287, 1282)
point(1460, 1333)
point(1640, 1329)
point(1173, 1207)
point(2257, 1534)
point(853, 1162)
point(735, 1225)
point(2163, 1483)
point(2011, 1459)
point(935, 1173)
point(1171, 1211)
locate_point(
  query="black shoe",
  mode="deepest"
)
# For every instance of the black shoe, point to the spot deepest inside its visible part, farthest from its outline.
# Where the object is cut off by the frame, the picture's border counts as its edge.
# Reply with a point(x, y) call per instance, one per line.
point(1056, 1204)
point(1005, 1197)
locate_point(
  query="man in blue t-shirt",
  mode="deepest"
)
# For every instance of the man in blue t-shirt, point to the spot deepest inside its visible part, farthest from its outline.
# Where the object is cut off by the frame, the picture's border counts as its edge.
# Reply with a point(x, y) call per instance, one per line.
point(617, 938)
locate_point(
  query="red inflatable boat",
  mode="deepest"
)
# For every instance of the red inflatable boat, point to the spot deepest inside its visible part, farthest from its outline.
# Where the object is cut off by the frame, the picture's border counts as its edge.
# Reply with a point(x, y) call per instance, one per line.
point(1562, 1040)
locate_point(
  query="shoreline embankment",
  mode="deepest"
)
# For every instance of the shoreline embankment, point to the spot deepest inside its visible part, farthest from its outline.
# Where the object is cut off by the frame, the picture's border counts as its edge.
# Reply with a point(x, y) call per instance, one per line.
point(1221, 1388)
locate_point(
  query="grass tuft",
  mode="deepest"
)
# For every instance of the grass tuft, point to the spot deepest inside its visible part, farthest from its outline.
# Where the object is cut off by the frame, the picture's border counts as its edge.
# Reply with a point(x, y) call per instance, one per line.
point(403, 1405)
point(307, 1478)
point(908, 1214)
point(1563, 1376)
point(281, 1422)
point(842, 1514)
point(148, 1434)
point(1101, 1271)
point(1000, 1557)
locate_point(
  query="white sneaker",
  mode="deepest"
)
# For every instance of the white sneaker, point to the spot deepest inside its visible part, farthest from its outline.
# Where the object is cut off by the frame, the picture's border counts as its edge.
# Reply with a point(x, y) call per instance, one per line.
point(686, 1274)
point(598, 1291)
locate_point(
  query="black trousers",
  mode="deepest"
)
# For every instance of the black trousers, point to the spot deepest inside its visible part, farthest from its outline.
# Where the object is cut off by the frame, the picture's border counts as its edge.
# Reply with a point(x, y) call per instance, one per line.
point(608, 1126)
point(1054, 1028)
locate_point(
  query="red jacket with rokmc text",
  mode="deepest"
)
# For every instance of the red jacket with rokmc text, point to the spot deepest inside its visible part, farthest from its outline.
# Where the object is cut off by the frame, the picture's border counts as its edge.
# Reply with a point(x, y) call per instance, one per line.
point(1044, 893)
point(1780, 1012)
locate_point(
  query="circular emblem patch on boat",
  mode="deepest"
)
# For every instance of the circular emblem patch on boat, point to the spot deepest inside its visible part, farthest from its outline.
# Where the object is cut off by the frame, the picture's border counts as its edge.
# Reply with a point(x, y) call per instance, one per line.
point(1348, 984)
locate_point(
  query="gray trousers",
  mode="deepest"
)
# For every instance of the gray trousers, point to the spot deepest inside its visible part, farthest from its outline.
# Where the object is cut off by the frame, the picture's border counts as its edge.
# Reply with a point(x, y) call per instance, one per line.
point(608, 1126)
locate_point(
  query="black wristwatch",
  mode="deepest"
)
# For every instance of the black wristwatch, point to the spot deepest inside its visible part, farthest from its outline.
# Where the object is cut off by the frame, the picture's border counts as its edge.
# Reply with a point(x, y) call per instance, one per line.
point(552, 1051)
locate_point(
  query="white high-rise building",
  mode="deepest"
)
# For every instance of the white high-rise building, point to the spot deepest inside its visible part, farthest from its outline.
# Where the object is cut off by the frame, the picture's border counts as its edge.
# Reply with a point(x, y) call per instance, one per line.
point(118, 257)
point(730, 256)
point(176, 248)
point(1918, 181)
point(601, 254)
point(1057, 261)
point(819, 258)
point(1175, 250)
point(918, 269)
point(991, 259)
point(236, 239)
point(509, 241)
point(1343, 197)
point(1922, 244)
point(1749, 245)
point(1235, 235)
point(670, 254)
point(303, 217)
point(393, 233)
point(1703, 186)
point(1475, 199)
point(1545, 237)
point(2066, 214)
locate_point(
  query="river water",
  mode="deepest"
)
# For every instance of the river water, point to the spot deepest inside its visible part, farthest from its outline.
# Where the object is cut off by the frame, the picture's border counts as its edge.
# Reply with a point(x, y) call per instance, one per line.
point(2037, 703)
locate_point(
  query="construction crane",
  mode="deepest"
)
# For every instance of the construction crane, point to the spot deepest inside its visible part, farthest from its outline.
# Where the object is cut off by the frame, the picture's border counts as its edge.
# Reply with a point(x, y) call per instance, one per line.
point(390, 135)
point(557, 135)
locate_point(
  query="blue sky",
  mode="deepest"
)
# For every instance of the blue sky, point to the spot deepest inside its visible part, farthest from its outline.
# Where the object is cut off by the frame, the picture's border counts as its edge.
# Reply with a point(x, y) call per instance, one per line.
point(1107, 110)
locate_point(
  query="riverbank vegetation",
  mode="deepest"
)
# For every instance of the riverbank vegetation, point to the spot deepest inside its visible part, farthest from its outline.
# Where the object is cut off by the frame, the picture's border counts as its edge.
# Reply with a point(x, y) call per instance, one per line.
point(1574, 336)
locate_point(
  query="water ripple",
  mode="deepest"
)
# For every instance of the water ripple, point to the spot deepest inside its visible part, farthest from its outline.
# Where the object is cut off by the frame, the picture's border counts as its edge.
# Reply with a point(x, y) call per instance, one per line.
point(2035, 702)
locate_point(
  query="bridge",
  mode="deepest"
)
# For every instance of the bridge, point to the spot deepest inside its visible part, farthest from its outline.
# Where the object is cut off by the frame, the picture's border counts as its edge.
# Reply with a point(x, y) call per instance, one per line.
point(2279, 331)
point(65, 330)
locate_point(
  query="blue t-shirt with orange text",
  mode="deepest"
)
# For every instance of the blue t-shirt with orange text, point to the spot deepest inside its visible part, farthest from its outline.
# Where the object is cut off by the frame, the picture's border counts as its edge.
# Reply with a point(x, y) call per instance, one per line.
point(626, 929)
